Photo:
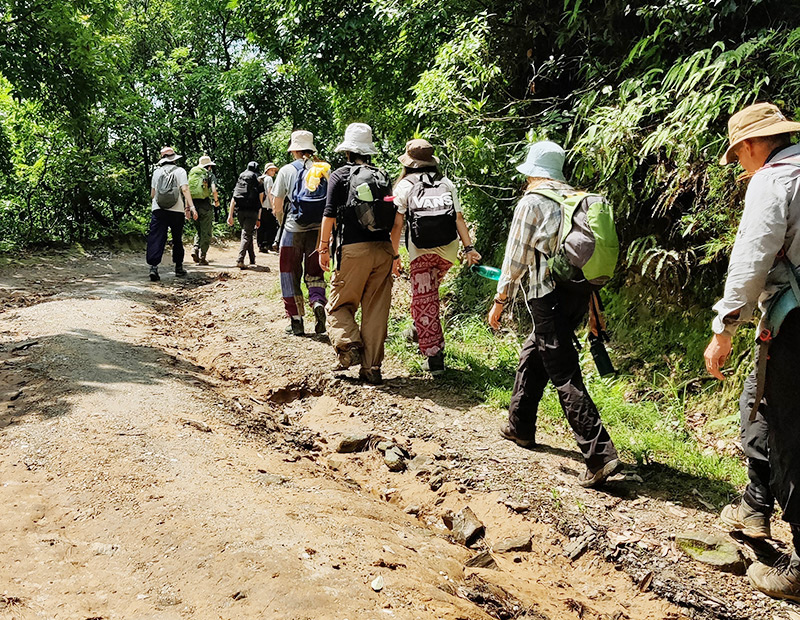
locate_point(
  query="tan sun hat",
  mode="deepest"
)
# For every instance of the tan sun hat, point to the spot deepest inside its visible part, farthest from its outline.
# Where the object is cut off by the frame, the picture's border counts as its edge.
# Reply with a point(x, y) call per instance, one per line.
point(269, 167)
point(168, 155)
point(419, 154)
point(302, 141)
point(205, 160)
point(756, 121)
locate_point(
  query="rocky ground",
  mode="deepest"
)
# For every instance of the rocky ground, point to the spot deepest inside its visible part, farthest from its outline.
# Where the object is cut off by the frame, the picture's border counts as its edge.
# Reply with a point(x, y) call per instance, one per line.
point(169, 452)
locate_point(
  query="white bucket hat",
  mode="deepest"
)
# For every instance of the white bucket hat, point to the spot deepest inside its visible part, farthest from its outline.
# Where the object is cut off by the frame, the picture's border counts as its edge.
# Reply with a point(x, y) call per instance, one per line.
point(302, 141)
point(545, 159)
point(168, 155)
point(358, 139)
point(205, 160)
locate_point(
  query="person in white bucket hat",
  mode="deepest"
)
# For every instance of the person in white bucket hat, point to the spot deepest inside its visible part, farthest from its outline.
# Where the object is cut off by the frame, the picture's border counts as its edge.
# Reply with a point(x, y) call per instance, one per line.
point(363, 274)
point(549, 354)
point(298, 241)
point(763, 273)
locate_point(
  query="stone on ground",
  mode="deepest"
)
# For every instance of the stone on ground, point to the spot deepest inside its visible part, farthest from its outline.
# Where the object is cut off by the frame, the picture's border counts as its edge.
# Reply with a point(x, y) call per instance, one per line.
point(355, 442)
point(712, 550)
point(467, 528)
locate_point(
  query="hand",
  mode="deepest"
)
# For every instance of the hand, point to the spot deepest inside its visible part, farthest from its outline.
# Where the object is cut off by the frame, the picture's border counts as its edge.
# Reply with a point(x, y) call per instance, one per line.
point(473, 258)
point(397, 267)
point(494, 315)
point(325, 261)
point(258, 224)
point(195, 215)
point(230, 220)
point(717, 353)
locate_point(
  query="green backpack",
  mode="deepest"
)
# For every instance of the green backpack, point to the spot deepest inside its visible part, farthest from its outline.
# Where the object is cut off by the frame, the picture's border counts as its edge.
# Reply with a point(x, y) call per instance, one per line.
point(199, 184)
point(588, 247)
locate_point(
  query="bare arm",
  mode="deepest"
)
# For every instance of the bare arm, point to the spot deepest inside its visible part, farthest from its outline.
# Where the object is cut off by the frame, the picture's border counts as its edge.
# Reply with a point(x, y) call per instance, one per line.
point(230, 212)
point(397, 230)
point(472, 255)
point(324, 249)
point(277, 207)
point(191, 212)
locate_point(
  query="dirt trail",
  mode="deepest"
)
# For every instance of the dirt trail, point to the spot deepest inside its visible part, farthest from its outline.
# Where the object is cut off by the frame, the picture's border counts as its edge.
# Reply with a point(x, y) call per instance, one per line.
point(167, 452)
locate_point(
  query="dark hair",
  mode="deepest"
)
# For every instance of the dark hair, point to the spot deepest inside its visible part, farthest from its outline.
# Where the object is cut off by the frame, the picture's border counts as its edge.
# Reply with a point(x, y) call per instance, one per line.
point(406, 171)
point(352, 156)
point(775, 141)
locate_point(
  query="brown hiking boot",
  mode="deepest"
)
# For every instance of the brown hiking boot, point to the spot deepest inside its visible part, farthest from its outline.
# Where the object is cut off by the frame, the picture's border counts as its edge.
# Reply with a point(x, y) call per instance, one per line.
point(595, 478)
point(742, 517)
point(348, 358)
point(507, 433)
point(779, 581)
point(372, 376)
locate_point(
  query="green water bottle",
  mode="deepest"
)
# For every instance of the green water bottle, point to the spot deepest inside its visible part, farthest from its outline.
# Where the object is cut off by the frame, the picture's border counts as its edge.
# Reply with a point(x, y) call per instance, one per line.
point(490, 273)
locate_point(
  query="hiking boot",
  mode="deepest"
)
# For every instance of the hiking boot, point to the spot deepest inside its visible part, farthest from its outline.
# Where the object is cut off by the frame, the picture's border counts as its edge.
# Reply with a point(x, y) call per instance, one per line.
point(779, 581)
point(240, 264)
point(203, 261)
point(371, 375)
point(742, 517)
point(595, 478)
point(410, 333)
point(296, 327)
point(154, 277)
point(319, 315)
point(179, 270)
point(507, 433)
point(434, 364)
point(348, 358)
point(196, 255)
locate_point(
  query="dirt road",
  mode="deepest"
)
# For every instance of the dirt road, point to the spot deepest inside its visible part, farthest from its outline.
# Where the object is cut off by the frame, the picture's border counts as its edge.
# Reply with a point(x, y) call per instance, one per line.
point(166, 451)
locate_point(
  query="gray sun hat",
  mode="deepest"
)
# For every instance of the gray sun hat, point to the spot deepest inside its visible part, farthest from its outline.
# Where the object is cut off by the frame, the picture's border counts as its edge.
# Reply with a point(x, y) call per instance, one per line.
point(357, 139)
point(545, 159)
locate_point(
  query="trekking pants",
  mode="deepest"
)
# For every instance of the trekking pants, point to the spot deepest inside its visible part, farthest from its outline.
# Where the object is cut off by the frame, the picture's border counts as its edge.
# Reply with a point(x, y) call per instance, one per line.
point(203, 225)
point(427, 272)
point(550, 355)
point(299, 261)
point(755, 443)
point(268, 230)
point(782, 393)
point(162, 221)
point(364, 278)
point(247, 220)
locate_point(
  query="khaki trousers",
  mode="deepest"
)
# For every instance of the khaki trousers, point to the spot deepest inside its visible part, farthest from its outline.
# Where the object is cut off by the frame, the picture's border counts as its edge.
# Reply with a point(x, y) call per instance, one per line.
point(364, 278)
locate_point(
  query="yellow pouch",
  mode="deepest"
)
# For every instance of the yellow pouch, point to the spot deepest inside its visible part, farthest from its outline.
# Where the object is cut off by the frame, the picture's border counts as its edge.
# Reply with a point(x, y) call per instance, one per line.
point(318, 170)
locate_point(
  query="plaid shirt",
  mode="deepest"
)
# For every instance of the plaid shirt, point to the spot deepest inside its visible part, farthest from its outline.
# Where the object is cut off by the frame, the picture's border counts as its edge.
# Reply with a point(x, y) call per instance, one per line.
point(532, 239)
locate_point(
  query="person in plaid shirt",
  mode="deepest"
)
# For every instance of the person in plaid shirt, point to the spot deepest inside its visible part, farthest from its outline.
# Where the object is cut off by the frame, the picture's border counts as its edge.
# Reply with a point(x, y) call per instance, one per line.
point(549, 353)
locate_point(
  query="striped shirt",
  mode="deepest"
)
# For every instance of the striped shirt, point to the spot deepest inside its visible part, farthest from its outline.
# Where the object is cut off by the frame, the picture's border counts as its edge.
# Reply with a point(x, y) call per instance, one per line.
point(533, 238)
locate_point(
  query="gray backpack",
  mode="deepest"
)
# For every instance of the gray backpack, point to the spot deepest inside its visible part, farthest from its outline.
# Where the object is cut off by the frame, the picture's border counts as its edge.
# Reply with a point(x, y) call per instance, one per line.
point(167, 190)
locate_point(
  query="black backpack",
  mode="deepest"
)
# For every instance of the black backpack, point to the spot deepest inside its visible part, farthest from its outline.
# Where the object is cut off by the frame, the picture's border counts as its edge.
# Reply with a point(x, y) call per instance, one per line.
point(368, 186)
point(431, 212)
point(245, 194)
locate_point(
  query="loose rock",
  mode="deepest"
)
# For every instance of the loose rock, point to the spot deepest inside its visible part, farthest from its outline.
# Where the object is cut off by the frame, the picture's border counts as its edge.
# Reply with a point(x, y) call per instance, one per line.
point(377, 583)
point(483, 560)
point(577, 547)
point(412, 510)
point(712, 550)
point(436, 483)
point(394, 460)
point(467, 528)
point(356, 442)
point(516, 543)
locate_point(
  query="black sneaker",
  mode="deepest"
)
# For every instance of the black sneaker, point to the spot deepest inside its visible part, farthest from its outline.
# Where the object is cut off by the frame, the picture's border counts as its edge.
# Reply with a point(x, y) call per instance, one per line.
point(179, 270)
point(196, 255)
point(296, 327)
point(434, 364)
point(372, 376)
point(203, 261)
point(410, 333)
point(319, 315)
point(154, 277)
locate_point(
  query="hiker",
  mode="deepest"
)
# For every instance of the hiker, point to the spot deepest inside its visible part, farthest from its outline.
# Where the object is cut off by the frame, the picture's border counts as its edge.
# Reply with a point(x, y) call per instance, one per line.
point(300, 228)
point(361, 222)
point(171, 205)
point(557, 309)
point(763, 271)
point(203, 187)
point(429, 201)
point(269, 224)
point(246, 205)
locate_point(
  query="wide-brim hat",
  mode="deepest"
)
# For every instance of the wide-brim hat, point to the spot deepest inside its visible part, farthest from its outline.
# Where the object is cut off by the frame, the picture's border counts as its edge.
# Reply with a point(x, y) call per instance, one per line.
point(419, 154)
point(302, 141)
point(357, 139)
point(168, 155)
point(756, 121)
point(270, 166)
point(204, 161)
point(545, 159)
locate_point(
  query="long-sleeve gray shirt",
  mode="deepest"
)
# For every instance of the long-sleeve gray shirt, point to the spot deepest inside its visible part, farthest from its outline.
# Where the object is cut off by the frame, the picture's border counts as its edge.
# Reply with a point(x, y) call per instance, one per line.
point(770, 222)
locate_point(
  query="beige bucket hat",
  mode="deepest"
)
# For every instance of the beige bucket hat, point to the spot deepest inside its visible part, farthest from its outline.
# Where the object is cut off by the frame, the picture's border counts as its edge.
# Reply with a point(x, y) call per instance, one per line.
point(269, 167)
point(168, 155)
point(419, 154)
point(755, 121)
point(358, 139)
point(204, 161)
point(302, 141)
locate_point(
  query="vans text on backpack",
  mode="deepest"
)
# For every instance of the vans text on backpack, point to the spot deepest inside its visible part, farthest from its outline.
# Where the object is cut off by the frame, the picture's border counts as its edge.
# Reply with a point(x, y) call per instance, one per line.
point(167, 191)
point(588, 247)
point(431, 211)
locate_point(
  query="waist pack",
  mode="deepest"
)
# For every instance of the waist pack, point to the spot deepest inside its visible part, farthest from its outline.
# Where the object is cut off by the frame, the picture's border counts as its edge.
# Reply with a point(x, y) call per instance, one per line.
point(588, 247)
point(245, 193)
point(310, 192)
point(368, 186)
point(431, 212)
point(167, 191)
point(199, 183)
